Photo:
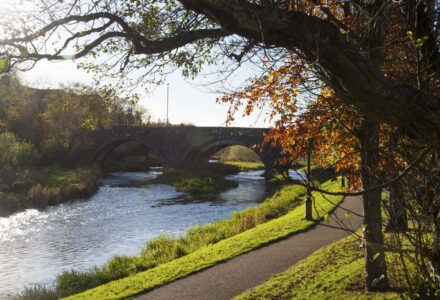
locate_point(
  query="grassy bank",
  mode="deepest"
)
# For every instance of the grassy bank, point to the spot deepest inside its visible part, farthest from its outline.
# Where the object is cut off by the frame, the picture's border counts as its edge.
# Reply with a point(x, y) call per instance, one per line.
point(246, 165)
point(39, 188)
point(332, 272)
point(199, 178)
point(165, 249)
point(207, 245)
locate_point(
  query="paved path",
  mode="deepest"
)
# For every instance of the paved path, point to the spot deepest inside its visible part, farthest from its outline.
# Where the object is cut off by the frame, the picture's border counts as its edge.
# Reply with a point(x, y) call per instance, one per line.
point(226, 280)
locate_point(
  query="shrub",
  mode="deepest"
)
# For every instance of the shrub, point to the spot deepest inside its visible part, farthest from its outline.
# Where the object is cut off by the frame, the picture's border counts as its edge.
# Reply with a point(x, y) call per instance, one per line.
point(39, 196)
point(9, 203)
point(72, 282)
point(16, 154)
point(37, 292)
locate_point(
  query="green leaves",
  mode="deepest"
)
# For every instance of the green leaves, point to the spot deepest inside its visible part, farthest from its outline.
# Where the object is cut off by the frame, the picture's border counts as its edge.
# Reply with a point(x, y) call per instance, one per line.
point(418, 42)
point(4, 64)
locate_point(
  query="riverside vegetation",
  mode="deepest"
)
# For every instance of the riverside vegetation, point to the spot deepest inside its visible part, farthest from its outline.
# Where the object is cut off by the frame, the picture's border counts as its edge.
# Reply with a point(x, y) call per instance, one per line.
point(36, 127)
point(167, 258)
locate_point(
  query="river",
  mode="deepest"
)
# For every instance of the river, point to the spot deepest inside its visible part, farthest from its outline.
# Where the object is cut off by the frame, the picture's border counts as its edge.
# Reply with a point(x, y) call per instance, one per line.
point(35, 245)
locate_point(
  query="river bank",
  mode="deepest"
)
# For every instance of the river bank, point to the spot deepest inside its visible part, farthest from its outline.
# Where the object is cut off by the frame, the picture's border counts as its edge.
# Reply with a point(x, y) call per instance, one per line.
point(36, 245)
point(49, 186)
point(284, 216)
point(165, 248)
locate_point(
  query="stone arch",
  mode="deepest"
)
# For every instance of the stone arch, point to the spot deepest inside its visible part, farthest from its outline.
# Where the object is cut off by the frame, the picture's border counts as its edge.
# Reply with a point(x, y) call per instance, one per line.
point(104, 151)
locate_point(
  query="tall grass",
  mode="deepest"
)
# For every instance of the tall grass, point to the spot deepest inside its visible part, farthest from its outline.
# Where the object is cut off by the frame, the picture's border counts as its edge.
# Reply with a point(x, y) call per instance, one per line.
point(246, 165)
point(166, 248)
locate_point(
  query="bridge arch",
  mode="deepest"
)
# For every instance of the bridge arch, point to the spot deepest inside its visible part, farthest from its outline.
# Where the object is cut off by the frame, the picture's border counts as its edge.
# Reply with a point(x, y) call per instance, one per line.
point(104, 151)
point(209, 148)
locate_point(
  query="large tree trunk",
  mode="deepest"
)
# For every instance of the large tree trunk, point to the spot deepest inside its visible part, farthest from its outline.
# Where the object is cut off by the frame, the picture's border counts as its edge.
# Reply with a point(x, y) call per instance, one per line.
point(435, 248)
point(397, 209)
point(375, 264)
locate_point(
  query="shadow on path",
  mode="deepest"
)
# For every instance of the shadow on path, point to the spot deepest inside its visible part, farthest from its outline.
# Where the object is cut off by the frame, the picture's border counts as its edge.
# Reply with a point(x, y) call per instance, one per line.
point(226, 280)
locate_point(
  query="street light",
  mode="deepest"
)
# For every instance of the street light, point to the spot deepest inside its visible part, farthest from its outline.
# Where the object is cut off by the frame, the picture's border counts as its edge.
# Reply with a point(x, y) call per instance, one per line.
point(168, 102)
point(309, 214)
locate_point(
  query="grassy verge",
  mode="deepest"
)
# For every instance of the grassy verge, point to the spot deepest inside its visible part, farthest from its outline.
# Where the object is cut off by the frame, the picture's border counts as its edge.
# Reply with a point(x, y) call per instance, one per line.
point(246, 165)
point(40, 188)
point(199, 178)
point(332, 272)
point(218, 247)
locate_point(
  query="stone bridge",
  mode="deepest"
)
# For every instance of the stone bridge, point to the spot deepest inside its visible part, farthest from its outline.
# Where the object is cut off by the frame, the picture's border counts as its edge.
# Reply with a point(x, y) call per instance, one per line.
point(175, 144)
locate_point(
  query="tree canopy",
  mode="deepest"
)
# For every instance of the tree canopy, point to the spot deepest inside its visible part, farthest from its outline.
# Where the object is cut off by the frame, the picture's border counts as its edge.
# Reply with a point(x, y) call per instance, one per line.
point(372, 68)
point(333, 37)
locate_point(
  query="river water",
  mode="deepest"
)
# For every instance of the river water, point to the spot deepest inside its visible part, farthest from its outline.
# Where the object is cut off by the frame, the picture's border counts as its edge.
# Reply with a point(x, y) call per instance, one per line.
point(35, 245)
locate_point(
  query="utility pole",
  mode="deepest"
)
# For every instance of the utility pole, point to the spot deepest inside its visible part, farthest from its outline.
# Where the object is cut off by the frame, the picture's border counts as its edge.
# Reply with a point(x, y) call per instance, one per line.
point(309, 215)
point(168, 102)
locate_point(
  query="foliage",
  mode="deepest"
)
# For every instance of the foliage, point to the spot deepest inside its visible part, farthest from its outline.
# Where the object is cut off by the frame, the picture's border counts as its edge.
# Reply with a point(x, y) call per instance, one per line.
point(37, 292)
point(246, 165)
point(16, 156)
point(49, 119)
point(48, 186)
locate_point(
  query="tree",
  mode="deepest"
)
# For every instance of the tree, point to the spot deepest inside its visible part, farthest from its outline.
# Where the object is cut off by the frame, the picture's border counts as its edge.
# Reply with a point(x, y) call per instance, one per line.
point(16, 155)
point(345, 45)
point(188, 33)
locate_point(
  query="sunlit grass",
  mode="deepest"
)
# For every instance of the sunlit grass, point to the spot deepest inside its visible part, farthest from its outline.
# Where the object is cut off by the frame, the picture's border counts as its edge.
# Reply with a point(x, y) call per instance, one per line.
point(246, 165)
point(336, 271)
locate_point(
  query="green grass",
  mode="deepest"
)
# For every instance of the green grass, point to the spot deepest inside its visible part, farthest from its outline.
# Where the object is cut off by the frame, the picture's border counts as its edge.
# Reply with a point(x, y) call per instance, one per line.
point(65, 184)
point(41, 187)
point(219, 249)
point(332, 272)
point(246, 165)
point(166, 248)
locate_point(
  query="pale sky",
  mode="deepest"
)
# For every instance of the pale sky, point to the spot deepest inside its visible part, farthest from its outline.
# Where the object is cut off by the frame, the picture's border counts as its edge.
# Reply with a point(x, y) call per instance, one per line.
point(190, 102)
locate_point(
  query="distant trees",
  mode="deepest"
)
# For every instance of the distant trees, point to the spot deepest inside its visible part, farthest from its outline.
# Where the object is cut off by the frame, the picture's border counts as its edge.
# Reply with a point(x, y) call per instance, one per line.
point(49, 118)
point(15, 155)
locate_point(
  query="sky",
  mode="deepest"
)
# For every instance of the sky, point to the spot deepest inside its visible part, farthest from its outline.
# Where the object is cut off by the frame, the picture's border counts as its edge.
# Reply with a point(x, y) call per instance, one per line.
point(190, 102)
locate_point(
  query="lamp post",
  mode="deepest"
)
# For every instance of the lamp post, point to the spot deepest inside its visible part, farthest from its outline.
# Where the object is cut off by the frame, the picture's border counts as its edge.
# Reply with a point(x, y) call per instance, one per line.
point(309, 215)
point(168, 102)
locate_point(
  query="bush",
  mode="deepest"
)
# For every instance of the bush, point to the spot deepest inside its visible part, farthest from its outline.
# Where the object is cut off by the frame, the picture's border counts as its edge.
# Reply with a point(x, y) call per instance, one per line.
point(16, 154)
point(9, 203)
point(72, 282)
point(37, 292)
point(39, 196)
